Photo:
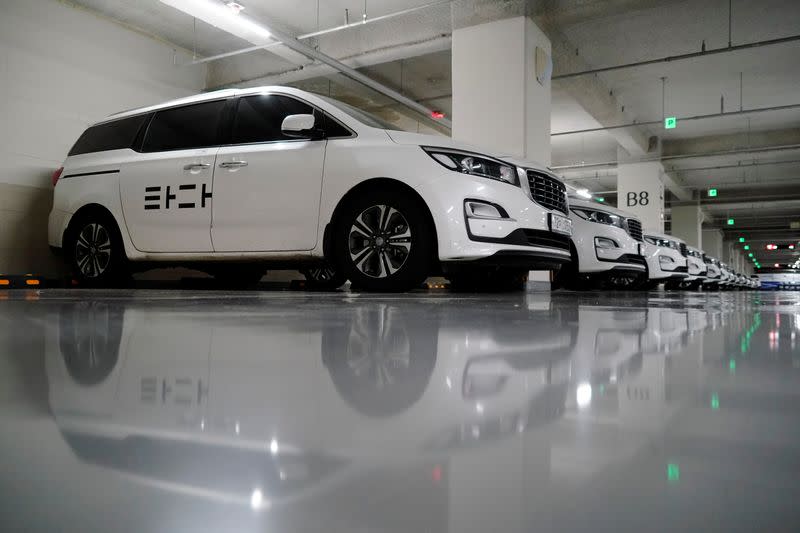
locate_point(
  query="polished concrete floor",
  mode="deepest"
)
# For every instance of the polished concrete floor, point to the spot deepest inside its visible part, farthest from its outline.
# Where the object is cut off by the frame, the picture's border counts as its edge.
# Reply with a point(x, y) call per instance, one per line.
point(277, 411)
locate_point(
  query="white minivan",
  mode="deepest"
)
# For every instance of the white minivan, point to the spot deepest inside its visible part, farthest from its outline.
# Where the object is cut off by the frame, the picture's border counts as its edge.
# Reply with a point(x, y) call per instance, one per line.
point(607, 248)
point(240, 180)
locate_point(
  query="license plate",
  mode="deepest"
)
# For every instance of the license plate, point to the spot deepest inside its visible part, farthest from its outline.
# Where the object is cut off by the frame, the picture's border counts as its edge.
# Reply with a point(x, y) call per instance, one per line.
point(559, 224)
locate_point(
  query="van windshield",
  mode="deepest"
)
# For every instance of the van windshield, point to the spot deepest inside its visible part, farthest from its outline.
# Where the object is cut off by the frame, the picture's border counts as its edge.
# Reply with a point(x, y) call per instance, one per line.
point(364, 117)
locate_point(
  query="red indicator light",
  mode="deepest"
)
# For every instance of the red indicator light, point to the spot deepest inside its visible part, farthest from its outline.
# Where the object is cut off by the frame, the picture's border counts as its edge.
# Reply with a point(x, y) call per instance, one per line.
point(436, 474)
point(437, 114)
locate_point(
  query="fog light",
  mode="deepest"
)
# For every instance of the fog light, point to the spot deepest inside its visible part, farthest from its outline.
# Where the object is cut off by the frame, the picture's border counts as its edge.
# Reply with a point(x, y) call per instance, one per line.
point(665, 260)
point(483, 210)
point(602, 242)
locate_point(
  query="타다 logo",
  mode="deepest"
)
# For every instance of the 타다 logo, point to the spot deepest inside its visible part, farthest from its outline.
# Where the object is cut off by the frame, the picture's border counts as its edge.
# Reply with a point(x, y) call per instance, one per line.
point(152, 197)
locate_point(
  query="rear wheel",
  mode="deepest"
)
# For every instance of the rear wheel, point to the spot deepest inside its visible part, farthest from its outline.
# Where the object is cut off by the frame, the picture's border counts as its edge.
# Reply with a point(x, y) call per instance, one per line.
point(383, 241)
point(323, 278)
point(94, 251)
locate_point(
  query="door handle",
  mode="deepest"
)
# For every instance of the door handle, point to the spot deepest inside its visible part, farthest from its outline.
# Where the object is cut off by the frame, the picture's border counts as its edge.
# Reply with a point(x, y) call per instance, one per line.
point(196, 166)
point(233, 164)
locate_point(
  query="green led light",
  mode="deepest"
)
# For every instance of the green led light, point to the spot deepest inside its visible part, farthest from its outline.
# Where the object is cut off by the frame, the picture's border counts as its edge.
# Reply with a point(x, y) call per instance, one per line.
point(750, 254)
point(731, 222)
point(732, 365)
point(670, 123)
point(741, 239)
point(600, 199)
point(747, 247)
point(712, 192)
point(673, 472)
point(715, 401)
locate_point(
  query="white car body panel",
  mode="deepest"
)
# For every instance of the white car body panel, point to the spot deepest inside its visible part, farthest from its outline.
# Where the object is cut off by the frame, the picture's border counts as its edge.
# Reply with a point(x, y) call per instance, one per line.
point(252, 218)
point(662, 270)
point(592, 259)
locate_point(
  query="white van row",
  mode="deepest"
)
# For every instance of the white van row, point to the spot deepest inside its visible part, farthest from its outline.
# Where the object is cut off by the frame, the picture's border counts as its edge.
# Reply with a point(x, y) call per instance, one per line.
point(239, 181)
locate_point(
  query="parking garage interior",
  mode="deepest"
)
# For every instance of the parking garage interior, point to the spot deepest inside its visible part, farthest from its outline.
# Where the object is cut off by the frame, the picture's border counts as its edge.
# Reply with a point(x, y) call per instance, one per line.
point(632, 394)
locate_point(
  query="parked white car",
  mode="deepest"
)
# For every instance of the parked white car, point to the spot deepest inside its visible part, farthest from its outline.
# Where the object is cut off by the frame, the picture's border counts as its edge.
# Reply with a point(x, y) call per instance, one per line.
point(713, 273)
point(235, 181)
point(697, 268)
point(666, 259)
point(607, 249)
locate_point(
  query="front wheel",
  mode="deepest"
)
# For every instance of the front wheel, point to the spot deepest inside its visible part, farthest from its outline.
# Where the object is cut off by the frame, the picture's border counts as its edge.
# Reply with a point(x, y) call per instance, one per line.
point(94, 251)
point(383, 241)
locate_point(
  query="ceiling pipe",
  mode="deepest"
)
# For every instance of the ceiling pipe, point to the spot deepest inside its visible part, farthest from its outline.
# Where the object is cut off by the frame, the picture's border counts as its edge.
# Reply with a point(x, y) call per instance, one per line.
point(680, 57)
point(354, 75)
point(321, 32)
point(683, 119)
point(681, 156)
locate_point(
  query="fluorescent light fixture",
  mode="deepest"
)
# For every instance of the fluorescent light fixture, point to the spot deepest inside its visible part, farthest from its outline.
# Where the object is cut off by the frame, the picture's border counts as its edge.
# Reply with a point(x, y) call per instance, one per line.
point(584, 193)
point(223, 17)
point(235, 7)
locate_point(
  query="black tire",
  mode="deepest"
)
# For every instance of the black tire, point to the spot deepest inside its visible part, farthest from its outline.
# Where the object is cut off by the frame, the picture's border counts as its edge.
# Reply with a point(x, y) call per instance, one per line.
point(94, 251)
point(323, 278)
point(238, 276)
point(384, 241)
point(489, 280)
point(650, 285)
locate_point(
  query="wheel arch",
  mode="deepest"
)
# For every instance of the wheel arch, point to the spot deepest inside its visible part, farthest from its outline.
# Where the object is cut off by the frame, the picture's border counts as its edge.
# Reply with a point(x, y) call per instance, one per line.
point(83, 211)
point(372, 184)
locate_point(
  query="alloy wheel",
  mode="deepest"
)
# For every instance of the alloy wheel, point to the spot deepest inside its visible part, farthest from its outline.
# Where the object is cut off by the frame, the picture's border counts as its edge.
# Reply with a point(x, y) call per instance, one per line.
point(379, 241)
point(93, 250)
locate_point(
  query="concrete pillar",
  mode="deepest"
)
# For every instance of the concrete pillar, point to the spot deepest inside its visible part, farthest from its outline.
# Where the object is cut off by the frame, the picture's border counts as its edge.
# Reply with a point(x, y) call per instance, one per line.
point(498, 102)
point(640, 191)
point(712, 243)
point(501, 84)
point(687, 224)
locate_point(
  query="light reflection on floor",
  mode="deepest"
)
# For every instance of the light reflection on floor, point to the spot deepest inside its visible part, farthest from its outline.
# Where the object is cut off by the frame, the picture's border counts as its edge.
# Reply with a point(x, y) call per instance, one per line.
point(281, 411)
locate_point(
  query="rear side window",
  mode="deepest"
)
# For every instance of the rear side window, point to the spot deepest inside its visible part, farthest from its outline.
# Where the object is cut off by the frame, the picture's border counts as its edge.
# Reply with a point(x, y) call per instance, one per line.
point(191, 126)
point(259, 118)
point(113, 135)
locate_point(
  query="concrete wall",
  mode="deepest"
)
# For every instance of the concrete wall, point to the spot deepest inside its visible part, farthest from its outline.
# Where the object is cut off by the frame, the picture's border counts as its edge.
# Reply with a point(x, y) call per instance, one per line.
point(54, 80)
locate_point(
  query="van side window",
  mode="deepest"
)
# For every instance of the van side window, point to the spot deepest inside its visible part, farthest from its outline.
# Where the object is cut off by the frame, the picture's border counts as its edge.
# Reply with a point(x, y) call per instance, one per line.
point(259, 118)
point(180, 128)
point(114, 135)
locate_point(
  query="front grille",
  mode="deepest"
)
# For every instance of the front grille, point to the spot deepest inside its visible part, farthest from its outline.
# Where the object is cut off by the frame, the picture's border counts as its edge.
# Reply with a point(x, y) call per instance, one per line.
point(635, 229)
point(546, 238)
point(684, 250)
point(547, 191)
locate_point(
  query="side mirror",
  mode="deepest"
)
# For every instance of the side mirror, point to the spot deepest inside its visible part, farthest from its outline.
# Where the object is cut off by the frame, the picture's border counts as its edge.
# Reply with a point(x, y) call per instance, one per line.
point(301, 127)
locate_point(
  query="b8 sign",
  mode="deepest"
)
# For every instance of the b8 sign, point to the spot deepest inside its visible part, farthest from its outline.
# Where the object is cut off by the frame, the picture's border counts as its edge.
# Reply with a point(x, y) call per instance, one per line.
point(640, 198)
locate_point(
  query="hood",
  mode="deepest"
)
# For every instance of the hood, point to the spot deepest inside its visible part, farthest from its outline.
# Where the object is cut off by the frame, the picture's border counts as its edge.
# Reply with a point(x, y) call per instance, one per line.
point(578, 202)
point(662, 236)
point(420, 139)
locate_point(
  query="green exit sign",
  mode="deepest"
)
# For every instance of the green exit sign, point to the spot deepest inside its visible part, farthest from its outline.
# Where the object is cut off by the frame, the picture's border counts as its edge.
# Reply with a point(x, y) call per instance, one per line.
point(731, 222)
point(741, 239)
point(670, 123)
point(746, 246)
point(711, 192)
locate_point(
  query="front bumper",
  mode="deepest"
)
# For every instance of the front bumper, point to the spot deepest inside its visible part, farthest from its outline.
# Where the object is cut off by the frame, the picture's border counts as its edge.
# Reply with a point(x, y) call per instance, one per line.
point(521, 237)
point(625, 255)
point(677, 269)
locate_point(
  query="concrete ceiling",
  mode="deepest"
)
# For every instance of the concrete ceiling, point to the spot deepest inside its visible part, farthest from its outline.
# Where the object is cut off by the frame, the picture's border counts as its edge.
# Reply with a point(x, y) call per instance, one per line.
point(411, 54)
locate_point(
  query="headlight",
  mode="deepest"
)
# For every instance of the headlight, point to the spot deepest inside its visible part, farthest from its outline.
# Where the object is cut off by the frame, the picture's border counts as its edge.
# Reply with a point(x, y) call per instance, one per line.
point(474, 164)
point(601, 217)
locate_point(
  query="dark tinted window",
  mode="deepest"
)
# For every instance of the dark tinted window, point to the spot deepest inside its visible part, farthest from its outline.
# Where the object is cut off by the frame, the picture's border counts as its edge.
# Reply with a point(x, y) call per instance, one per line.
point(109, 136)
point(259, 118)
point(192, 126)
point(333, 128)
